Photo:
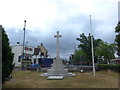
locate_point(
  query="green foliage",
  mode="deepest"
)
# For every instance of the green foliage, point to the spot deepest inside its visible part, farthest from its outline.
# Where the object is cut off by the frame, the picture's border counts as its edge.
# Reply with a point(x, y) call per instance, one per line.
point(85, 46)
point(114, 67)
point(101, 49)
point(106, 50)
point(117, 28)
point(80, 57)
point(117, 39)
point(7, 56)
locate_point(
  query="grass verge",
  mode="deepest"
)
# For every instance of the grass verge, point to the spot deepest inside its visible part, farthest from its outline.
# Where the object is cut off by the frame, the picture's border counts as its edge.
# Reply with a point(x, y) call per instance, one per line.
point(30, 79)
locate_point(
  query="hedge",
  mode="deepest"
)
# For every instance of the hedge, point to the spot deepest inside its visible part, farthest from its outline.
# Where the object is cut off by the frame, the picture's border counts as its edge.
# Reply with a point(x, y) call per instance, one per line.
point(113, 67)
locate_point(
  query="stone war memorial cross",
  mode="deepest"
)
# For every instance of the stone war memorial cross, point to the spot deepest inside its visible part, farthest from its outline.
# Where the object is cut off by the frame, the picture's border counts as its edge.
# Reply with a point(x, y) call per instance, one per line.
point(57, 71)
point(57, 46)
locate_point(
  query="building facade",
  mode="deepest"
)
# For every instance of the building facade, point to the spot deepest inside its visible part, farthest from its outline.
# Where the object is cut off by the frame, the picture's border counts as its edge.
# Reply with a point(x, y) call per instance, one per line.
point(30, 54)
point(39, 53)
point(18, 53)
point(43, 51)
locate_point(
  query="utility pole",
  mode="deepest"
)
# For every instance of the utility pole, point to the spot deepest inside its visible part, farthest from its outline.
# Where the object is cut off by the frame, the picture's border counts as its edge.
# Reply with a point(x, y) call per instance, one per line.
point(23, 44)
point(26, 54)
point(92, 48)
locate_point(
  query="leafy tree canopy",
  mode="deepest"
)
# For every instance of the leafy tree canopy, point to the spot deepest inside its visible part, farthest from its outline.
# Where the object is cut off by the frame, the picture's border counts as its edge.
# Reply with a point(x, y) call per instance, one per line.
point(117, 39)
point(85, 45)
point(106, 50)
point(101, 48)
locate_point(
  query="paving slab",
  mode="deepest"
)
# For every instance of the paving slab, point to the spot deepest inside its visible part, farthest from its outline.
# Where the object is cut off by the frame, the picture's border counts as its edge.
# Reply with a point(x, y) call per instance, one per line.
point(55, 77)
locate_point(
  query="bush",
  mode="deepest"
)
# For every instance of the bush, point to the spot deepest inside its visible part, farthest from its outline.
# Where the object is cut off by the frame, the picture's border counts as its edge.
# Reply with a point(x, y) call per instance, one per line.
point(113, 67)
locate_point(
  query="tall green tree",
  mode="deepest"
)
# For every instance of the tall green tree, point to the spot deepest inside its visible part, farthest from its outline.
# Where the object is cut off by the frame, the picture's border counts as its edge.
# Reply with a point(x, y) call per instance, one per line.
point(7, 56)
point(85, 45)
point(106, 50)
point(71, 61)
point(80, 56)
point(117, 39)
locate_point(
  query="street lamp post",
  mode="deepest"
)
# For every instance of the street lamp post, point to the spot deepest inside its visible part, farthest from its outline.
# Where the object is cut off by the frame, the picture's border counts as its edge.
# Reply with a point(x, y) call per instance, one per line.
point(23, 44)
point(92, 48)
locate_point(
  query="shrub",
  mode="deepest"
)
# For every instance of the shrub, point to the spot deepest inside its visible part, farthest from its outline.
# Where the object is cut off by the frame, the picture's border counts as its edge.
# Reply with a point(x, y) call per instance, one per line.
point(113, 67)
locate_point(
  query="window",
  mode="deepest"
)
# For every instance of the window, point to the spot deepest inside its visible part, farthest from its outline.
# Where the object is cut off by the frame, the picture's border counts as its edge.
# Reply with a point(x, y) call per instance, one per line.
point(19, 58)
point(34, 61)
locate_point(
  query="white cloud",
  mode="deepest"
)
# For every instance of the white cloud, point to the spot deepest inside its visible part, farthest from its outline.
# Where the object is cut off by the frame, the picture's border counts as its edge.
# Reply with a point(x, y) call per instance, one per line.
point(41, 13)
point(37, 13)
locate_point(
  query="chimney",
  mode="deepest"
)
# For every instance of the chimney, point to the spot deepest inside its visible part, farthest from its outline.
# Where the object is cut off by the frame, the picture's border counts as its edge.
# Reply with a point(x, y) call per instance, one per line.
point(18, 43)
point(41, 44)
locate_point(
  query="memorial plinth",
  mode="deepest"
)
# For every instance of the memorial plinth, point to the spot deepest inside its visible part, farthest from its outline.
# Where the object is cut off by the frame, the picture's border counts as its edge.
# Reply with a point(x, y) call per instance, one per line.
point(57, 71)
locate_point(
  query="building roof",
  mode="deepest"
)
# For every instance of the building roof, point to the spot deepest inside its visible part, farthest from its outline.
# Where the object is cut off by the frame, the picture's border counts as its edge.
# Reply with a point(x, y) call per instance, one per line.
point(42, 47)
point(36, 51)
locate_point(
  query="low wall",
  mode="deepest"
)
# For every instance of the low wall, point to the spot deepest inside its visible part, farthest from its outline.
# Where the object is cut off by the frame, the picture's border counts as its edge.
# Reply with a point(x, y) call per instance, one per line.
point(70, 68)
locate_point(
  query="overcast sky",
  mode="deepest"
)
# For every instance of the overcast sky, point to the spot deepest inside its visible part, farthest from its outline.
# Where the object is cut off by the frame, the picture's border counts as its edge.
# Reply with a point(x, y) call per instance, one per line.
point(69, 17)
